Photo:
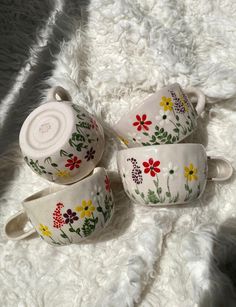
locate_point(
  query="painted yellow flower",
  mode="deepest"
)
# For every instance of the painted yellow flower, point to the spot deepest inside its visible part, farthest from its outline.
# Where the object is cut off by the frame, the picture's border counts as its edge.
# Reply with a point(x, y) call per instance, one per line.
point(190, 172)
point(86, 208)
point(44, 230)
point(126, 142)
point(63, 173)
point(166, 103)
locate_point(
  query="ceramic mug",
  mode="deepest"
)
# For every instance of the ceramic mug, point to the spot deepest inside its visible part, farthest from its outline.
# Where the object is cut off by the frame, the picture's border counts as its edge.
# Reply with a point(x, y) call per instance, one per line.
point(61, 141)
point(166, 117)
point(169, 174)
point(65, 215)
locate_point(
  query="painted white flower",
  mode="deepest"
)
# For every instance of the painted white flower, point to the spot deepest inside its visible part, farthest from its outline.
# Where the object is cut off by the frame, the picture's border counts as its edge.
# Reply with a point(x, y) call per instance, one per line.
point(97, 192)
point(163, 118)
point(170, 171)
point(135, 137)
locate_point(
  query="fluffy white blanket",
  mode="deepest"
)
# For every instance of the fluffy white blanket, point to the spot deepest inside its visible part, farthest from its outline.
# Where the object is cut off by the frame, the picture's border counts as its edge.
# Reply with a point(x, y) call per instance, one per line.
point(110, 55)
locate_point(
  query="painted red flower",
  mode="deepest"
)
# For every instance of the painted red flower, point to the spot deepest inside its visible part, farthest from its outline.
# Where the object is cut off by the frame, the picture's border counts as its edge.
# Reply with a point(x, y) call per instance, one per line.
point(58, 220)
point(142, 123)
point(94, 124)
point(73, 162)
point(107, 184)
point(151, 167)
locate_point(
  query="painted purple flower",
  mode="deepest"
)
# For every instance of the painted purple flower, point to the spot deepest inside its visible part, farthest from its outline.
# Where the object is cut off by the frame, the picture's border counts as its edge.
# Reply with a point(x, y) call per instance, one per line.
point(136, 171)
point(178, 105)
point(90, 154)
point(70, 216)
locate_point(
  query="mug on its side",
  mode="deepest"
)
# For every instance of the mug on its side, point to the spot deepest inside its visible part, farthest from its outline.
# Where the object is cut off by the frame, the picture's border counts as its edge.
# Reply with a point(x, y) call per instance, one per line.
point(169, 174)
point(61, 141)
point(166, 117)
point(66, 215)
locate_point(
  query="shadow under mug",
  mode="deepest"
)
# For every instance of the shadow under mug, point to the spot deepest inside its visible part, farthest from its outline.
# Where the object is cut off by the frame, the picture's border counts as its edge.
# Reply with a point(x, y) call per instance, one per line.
point(166, 117)
point(169, 174)
point(65, 215)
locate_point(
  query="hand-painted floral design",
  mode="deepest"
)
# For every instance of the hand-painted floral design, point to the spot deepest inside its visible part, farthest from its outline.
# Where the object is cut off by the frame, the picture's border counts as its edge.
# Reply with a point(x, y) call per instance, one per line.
point(107, 184)
point(177, 118)
point(151, 167)
point(178, 105)
point(86, 209)
point(45, 230)
point(142, 123)
point(70, 216)
point(63, 174)
point(73, 162)
point(136, 171)
point(58, 220)
point(94, 124)
point(97, 191)
point(164, 118)
point(90, 154)
point(166, 103)
point(170, 171)
point(190, 172)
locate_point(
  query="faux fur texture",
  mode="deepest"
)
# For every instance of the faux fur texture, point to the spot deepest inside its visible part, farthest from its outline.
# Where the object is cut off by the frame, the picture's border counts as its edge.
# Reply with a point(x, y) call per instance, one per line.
point(110, 55)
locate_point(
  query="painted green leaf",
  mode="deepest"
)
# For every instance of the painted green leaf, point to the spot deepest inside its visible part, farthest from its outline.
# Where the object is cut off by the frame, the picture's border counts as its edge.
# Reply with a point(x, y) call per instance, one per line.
point(54, 165)
point(63, 235)
point(152, 197)
point(177, 117)
point(78, 230)
point(162, 130)
point(145, 133)
point(168, 194)
point(178, 124)
point(186, 187)
point(174, 139)
point(156, 183)
point(176, 198)
point(136, 191)
point(99, 209)
point(159, 190)
point(71, 230)
point(176, 130)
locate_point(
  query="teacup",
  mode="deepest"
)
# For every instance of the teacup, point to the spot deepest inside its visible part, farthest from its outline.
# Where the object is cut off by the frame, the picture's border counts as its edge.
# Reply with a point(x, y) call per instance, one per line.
point(61, 141)
point(166, 117)
point(65, 215)
point(169, 174)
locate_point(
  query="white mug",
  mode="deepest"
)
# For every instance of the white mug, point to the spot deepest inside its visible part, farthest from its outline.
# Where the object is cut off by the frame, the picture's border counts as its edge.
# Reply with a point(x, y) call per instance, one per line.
point(64, 215)
point(168, 174)
point(60, 141)
point(166, 117)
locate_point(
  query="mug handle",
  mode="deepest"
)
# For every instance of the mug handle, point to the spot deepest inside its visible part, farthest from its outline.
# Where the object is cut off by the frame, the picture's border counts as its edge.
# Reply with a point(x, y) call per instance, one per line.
point(14, 227)
point(201, 101)
point(223, 170)
point(60, 92)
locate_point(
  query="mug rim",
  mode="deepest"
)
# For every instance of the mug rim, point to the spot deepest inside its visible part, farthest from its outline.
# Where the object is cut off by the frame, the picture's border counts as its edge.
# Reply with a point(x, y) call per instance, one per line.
point(142, 103)
point(60, 188)
point(153, 147)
